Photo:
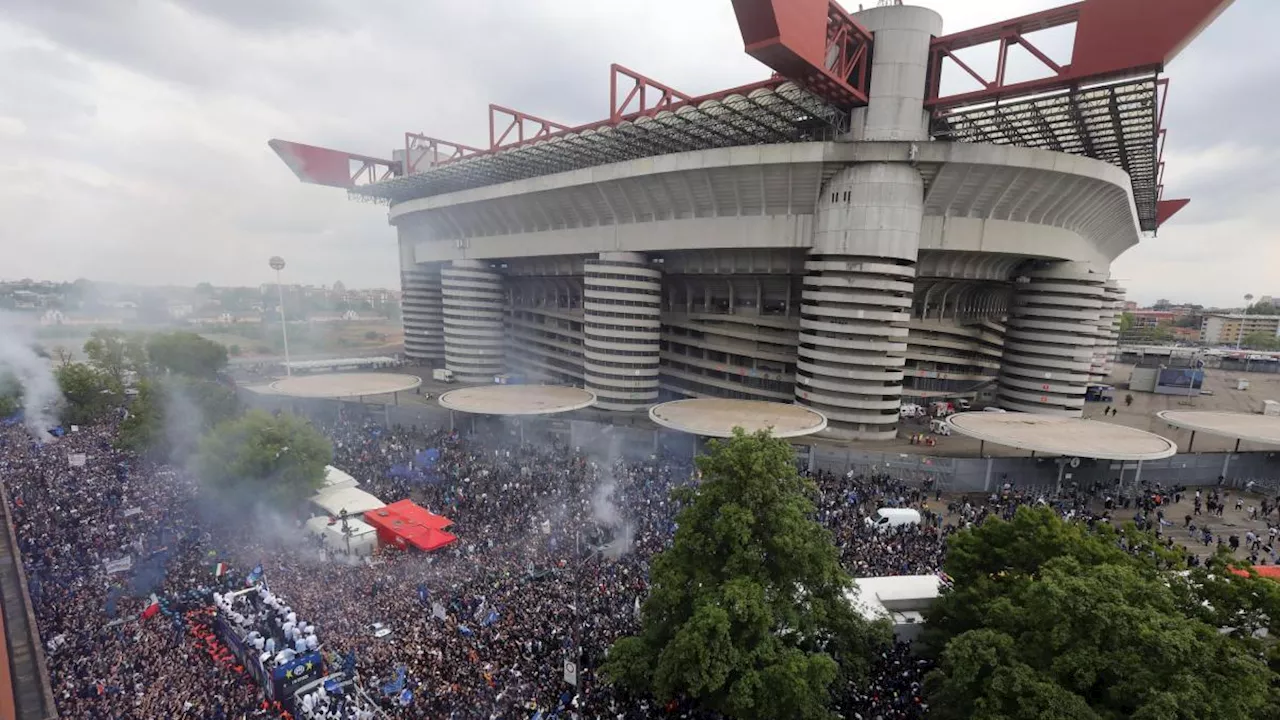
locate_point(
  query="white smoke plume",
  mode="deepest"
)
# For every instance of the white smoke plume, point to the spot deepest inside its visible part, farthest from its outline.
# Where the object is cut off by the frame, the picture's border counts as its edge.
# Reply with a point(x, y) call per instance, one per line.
point(604, 510)
point(33, 374)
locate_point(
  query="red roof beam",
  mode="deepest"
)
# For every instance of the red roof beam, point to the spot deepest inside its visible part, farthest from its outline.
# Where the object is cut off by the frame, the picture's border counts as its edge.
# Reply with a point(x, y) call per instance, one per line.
point(538, 128)
point(1114, 38)
point(418, 147)
point(812, 42)
point(1166, 209)
point(642, 89)
point(333, 168)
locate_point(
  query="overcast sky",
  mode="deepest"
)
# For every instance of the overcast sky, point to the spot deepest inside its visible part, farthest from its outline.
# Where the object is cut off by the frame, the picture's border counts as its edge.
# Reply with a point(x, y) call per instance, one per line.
point(133, 132)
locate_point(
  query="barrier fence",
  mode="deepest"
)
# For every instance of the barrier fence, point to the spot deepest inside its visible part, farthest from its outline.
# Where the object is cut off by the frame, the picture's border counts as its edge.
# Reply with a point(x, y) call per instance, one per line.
point(949, 474)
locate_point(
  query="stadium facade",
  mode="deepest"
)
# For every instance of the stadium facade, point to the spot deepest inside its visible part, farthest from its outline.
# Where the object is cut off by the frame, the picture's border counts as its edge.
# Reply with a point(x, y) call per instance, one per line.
point(847, 235)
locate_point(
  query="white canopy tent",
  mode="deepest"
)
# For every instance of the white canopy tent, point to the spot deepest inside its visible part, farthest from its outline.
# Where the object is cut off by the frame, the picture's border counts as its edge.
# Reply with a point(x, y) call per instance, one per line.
point(354, 500)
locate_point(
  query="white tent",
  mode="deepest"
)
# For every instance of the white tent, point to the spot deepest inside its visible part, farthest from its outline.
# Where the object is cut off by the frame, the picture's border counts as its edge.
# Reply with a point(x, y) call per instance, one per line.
point(333, 500)
point(333, 477)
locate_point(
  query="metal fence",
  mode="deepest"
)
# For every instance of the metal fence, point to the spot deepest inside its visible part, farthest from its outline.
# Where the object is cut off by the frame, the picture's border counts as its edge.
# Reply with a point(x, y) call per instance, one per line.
point(970, 475)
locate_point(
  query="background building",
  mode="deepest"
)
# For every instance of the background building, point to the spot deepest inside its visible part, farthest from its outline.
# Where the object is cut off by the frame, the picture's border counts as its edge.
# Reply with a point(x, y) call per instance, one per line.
point(848, 234)
point(1232, 328)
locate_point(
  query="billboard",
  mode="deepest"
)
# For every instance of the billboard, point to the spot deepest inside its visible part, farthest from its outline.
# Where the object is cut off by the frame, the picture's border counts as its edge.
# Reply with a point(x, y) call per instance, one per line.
point(1179, 381)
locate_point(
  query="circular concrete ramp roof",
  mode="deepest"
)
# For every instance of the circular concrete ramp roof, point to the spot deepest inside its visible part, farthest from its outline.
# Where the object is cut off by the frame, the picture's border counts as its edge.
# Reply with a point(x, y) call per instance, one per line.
point(1262, 429)
point(717, 417)
point(344, 385)
point(1055, 435)
point(517, 399)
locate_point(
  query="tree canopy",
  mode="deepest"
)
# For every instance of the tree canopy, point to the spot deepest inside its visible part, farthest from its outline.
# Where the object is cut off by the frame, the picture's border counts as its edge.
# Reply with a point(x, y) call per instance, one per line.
point(186, 353)
point(90, 393)
point(116, 353)
point(747, 614)
point(1049, 619)
point(259, 458)
point(1260, 341)
point(168, 416)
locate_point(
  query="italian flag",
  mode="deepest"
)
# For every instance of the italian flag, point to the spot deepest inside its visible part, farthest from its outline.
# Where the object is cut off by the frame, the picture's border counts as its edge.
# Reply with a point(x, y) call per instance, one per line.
point(220, 569)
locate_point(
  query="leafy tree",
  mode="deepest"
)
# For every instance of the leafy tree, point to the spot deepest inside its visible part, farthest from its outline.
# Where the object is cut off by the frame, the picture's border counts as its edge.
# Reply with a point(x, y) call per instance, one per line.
point(168, 416)
point(1048, 619)
point(1260, 341)
point(1126, 321)
point(10, 395)
point(89, 393)
point(1261, 308)
point(747, 613)
point(186, 353)
point(262, 459)
point(116, 353)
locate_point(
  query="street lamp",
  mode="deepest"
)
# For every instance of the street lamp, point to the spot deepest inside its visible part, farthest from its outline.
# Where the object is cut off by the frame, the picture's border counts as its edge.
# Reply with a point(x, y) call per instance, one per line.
point(277, 264)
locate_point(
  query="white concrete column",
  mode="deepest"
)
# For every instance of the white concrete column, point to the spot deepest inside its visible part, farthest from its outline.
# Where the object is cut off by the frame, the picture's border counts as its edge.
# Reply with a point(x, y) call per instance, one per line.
point(422, 312)
point(899, 68)
point(1049, 345)
point(473, 314)
point(857, 299)
point(621, 330)
point(1109, 326)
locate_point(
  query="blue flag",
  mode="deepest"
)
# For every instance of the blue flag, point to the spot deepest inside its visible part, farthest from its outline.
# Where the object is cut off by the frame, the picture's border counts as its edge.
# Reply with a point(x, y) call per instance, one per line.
point(465, 630)
point(255, 575)
point(424, 595)
point(489, 619)
point(349, 664)
point(406, 697)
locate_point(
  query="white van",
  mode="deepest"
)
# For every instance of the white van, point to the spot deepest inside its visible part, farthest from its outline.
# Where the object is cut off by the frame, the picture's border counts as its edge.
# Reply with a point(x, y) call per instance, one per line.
point(886, 518)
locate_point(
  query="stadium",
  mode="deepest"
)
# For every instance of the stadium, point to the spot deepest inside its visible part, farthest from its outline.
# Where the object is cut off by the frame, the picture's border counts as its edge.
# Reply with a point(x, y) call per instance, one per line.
point(877, 223)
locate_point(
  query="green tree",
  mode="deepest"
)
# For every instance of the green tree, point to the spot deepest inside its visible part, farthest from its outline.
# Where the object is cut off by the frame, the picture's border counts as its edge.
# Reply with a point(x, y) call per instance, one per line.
point(89, 393)
point(262, 459)
point(1048, 619)
point(1261, 308)
point(747, 612)
point(169, 415)
point(10, 395)
point(1126, 321)
point(186, 353)
point(116, 353)
point(1260, 341)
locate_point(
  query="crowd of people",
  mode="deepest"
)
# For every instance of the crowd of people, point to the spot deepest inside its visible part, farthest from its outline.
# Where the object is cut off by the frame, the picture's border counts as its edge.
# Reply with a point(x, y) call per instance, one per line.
point(552, 566)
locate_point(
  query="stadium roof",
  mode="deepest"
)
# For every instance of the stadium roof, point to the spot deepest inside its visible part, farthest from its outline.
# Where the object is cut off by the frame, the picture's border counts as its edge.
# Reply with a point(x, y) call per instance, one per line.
point(1253, 427)
point(718, 417)
point(343, 385)
point(774, 111)
point(517, 399)
point(1064, 436)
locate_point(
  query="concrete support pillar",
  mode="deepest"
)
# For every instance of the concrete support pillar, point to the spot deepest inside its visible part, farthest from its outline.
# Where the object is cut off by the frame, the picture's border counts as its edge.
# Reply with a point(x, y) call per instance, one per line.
point(857, 297)
point(899, 65)
point(621, 329)
point(1109, 331)
point(422, 313)
point(473, 313)
point(1049, 344)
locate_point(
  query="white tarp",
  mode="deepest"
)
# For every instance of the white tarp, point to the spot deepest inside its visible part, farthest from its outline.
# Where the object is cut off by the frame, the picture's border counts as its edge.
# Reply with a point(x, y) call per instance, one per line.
point(133, 511)
point(335, 478)
point(355, 501)
point(120, 565)
point(77, 459)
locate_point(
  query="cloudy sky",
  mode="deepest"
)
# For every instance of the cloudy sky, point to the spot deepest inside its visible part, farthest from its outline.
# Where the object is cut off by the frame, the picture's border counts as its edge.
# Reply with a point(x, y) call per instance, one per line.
point(133, 132)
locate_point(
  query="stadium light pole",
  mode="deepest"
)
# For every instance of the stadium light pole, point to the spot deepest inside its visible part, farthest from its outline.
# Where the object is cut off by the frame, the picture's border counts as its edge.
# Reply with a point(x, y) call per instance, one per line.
point(1243, 313)
point(277, 264)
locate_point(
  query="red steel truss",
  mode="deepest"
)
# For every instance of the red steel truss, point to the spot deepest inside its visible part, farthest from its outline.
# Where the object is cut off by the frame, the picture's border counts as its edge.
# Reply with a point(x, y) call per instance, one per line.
point(812, 42)
point(517, 121)
point(334, 168)
point(423, 151)
point(1114, 38)
point(1166, 209)
point(642, 89)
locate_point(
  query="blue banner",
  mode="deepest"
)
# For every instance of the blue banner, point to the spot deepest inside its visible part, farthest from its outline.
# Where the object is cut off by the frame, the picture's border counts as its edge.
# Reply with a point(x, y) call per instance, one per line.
point(303, 666)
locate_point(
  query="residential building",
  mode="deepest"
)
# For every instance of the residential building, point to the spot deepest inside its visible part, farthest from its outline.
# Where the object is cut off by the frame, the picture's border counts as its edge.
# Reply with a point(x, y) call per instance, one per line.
point(1228, 329)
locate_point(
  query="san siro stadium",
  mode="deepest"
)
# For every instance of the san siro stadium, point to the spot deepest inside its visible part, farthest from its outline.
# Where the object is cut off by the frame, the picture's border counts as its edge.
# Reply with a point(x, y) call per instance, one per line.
point(849, 234)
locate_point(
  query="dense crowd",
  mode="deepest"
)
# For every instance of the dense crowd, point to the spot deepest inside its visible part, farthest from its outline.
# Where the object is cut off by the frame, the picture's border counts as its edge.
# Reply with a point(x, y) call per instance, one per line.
point(551, 566)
